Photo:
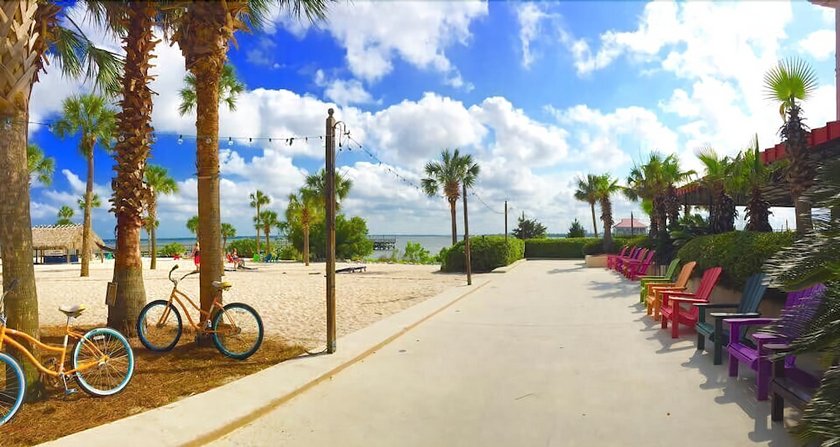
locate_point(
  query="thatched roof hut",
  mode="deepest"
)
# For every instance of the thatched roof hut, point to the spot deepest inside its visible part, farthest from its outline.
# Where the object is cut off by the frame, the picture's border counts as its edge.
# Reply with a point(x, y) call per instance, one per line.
point(67, 238)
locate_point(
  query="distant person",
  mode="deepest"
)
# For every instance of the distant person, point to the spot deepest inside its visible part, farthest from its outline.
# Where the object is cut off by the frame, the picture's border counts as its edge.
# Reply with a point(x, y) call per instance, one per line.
point(196, 256)
point(237, 261)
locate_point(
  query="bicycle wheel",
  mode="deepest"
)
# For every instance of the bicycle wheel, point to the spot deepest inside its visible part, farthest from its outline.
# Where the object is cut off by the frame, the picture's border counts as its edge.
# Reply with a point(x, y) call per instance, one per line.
point(12, 387)
point(112, 358)
point(159, 332)
point(237, 331)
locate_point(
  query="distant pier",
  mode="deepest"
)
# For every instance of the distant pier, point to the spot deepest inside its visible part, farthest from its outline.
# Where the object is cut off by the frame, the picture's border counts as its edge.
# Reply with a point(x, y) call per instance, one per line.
point(383, 242)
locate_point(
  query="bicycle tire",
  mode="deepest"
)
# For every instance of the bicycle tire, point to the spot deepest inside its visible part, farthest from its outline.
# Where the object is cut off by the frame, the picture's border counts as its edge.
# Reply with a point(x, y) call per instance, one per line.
point(11, 399)
point(225, 343)
point(165, 343)
point(111, 376)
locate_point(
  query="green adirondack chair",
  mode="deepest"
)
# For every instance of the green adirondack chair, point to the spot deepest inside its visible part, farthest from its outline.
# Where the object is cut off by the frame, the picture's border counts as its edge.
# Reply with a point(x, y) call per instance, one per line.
point(753, 292)
point(669, 276)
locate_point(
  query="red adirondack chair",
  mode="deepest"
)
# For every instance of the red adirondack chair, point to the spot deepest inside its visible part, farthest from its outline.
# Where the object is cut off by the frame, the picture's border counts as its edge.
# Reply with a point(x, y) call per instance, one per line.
point(620, 262)
point(672, 309)
point(635, 269)
point(611, 258)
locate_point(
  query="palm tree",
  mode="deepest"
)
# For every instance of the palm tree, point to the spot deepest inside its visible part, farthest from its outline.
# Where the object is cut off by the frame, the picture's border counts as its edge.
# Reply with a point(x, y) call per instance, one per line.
point(40, 166)
point(96, 202)
point(672, 175)
point(717, 180)
point(318, 183)
point(586, 193)
point(192, 224)
point(447, 175)
point(258, 199)
point(203, 32)
point(793, 80)
point(749, 177)
point(95, 120)
point(304, 209)
point(30, 35)
point(646, 183)
point(228, 232)
point(157, 181)
point(606, 187)
point(65, 213)
point(229, 89)
point(268, 220)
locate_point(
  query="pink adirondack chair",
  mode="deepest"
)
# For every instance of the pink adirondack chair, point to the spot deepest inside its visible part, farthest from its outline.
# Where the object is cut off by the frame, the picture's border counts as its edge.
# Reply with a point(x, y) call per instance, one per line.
point(635, 269)
point(672, 302)
point(620, 262)
point(611, 259)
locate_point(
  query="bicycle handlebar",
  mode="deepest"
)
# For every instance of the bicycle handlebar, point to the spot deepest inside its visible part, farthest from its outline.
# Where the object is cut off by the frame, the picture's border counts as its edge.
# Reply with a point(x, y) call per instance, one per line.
point(176, 281)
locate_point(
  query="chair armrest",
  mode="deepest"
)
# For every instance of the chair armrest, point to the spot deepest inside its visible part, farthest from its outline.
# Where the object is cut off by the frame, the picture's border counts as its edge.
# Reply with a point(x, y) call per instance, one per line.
point(680, 294)
point(735, 315)
point(736, 323)
point(719, 305)
point(687, 300)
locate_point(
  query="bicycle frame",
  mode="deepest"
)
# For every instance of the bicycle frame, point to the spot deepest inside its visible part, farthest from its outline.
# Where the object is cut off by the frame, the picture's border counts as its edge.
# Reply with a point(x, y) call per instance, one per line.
point(176, 296)
point(8, 335)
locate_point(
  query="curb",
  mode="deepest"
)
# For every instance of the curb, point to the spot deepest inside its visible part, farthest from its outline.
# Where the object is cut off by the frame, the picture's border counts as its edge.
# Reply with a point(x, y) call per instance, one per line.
point(208, 416)
point(507, 268)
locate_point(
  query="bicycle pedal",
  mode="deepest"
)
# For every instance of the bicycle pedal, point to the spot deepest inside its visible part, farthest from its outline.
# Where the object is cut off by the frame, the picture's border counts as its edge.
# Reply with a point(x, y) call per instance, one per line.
point(70, 391)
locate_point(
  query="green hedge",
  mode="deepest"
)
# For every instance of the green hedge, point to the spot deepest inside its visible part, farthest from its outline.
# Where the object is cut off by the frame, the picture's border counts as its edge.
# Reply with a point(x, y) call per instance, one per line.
point(740, 253)
point(596, 247)
point(561, 248)
point(486, 254)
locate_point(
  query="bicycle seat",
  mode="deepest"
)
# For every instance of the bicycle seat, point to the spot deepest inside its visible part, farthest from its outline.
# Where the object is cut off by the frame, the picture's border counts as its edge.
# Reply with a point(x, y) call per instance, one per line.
point(72, 311)
point(222, 285)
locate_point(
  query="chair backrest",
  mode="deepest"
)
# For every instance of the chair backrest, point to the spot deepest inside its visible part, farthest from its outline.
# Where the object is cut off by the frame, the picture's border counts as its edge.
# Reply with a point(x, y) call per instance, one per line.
point(643, 266)
point(634, 252)
point(753, 292)
point(685, 274)
point(623, 251)
point(800, 308)
point(708, 283)
point(672, 268)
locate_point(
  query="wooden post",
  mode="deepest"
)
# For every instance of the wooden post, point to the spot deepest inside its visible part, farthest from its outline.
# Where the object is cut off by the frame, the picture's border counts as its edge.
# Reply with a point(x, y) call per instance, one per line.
point(631, 224)
point(467, 238)
point(506, 228)
point(330, 223)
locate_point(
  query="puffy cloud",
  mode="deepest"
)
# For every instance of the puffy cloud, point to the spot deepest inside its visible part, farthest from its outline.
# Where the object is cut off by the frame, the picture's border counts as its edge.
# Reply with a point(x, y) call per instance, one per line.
point(343, 92)
point(819, 44)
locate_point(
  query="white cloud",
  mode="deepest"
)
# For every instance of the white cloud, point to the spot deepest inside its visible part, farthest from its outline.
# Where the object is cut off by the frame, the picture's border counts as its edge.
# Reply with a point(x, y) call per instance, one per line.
point(819, 44)
point(529, 16)
point(343, 92)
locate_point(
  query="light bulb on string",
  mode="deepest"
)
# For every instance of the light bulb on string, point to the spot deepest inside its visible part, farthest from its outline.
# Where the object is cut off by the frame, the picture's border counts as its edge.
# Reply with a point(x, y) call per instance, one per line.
point(180, 139)
point(269, 140)
point(208, 140)
point(250, 140)
point(121, 138)
point(230, 141)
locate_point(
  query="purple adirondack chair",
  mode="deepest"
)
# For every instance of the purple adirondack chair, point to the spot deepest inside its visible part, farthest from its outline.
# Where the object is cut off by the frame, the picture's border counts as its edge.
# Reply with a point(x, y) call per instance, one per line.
point(800, 306)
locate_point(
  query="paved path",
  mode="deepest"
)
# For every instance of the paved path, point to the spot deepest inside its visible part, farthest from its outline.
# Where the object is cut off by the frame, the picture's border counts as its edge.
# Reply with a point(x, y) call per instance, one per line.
point(549, 354)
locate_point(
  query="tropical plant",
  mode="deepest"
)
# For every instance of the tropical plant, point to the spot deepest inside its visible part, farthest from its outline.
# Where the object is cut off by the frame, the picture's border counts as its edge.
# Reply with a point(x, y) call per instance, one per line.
point(192, 224)
point(268, 220)
point(258, 199)
point(304, 211)
point(172, 249)
point(351, 238)
point(65, 213)
point(158, 182)
point(586, 193)
point(91, 116)
point(40, 166)
point(673, 175)
point(318, 183)
point(447, 175)
point(718, 180)
point(576, 229)
point(230, 87)
point(416, 253)
point(646, 183)
point(228, 232)
point(748, 178)
point(790, 82)
point(528, 228)
point(203, 31)
point(606, 187)
point(95, 202)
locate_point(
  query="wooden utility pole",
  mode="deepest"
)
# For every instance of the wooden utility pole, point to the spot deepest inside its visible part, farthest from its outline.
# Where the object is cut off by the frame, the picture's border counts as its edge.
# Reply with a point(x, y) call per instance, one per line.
point(631, 223)
point(467, 238)
point(506, 229)
point(329, 200)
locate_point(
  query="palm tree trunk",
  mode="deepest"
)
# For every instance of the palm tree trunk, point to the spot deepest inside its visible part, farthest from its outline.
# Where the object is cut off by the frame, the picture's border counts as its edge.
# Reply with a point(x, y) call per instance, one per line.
point(134, 124)
point(267, 242)
point(594, 226)
point(257, 222)
point(86, 227)
point(306, 245)
point(453, 216)
point(153, 234)
point(804, 222)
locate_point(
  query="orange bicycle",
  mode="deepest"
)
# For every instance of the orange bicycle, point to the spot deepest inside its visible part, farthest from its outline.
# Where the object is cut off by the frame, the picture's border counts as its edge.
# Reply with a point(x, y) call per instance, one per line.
point(236, 328)
point(102, 359)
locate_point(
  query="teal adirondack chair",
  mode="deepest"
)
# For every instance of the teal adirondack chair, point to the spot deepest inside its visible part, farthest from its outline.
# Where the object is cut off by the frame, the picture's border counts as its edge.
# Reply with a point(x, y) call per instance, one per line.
point(669, 276)
point(753, 292)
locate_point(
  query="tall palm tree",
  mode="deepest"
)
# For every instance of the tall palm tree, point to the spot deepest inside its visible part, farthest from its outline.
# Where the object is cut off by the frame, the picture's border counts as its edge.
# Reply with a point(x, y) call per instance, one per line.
point(158, 182)
point(91, 116)
point(646, 183)
point(192, 224)
point(788, 83)
point(268, 220)
point(30, 34)
point(40, 166)
point(749, 177)
point(606, 187)
point(65, 213)
point(203, 31)
point(586, 193)
point(258, 199)
point(718, 180)
point(673, 175)
point(446, 175)
point(230, 87)
point(228, 232)
point(305, 209)
point(95, 202)
point(318, 182)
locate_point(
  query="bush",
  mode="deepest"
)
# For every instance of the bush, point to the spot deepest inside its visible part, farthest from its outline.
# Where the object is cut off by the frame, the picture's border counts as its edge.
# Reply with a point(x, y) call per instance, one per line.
point(289, 252)
point(739, 253)
point(528, 228)
point(351, 239)
point(596, 247)
point(486, 254)
point(568, 248)
point(171, 249)
point(245, 248)
point(576, 230)
point(415, 253)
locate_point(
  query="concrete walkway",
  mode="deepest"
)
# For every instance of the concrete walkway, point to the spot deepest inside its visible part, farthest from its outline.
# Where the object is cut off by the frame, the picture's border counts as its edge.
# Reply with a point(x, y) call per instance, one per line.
point(550, 354)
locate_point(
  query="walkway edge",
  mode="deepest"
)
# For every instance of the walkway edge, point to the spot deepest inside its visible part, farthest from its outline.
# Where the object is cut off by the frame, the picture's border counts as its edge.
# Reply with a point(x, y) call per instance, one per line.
point(208, 416)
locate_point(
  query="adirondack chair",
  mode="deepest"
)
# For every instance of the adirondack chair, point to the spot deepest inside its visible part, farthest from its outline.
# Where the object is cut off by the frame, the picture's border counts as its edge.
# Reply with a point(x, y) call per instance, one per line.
point(611, 258)
point(634, 270)
point(672, 302)
point(620, 263)
point(747, 308)
point(634, 253)
point(800, 306)
point(669, 276)
point(797, 389)
point(654, 290)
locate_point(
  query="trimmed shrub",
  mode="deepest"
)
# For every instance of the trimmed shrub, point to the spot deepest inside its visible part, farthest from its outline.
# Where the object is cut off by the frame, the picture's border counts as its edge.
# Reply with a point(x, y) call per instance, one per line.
point(739, 253)
point(566, 248)
point(596, 247)
point(486, 254)
point(171, 249)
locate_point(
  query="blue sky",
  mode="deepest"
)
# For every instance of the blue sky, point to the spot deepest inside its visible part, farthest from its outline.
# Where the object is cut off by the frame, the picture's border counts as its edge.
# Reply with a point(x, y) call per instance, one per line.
point(538, 92)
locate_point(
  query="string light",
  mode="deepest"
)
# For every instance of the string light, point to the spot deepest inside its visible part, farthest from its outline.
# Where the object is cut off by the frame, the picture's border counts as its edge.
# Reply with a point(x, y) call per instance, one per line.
point(230, 141)
point(180, 139)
